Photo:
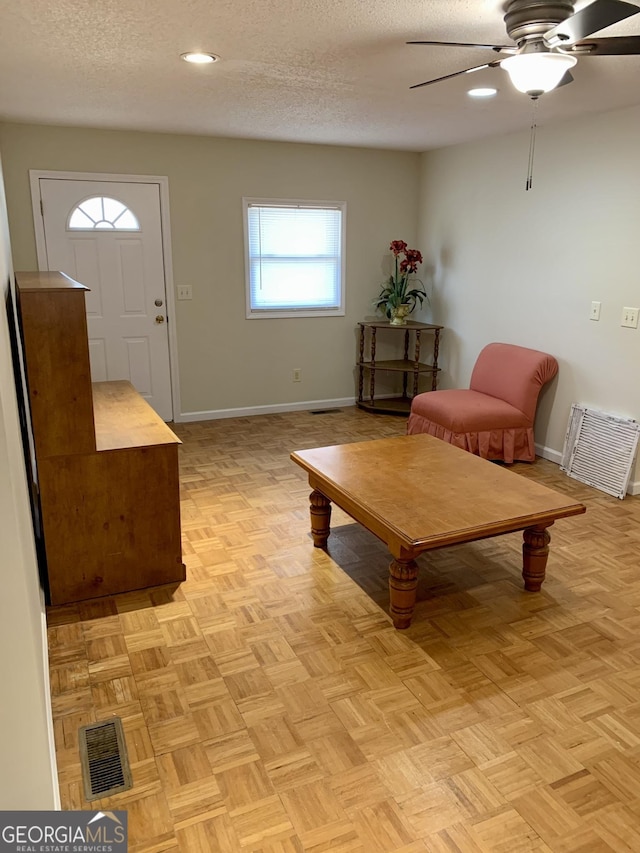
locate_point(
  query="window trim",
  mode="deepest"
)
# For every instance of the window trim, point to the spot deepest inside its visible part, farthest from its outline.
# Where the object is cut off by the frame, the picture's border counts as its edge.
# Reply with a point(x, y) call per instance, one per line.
point(271, 313)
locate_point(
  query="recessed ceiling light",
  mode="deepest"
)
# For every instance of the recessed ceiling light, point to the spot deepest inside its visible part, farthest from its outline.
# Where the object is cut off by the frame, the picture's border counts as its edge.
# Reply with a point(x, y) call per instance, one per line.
point(485, 92)
point(199, 58)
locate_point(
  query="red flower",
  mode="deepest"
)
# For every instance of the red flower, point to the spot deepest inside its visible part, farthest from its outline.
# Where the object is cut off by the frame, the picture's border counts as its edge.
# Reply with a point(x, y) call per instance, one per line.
point(408, 266)
point(413, 256)
point(398, 246)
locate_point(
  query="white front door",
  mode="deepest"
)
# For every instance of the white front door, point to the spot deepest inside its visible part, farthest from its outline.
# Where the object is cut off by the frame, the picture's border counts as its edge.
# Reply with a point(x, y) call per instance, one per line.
point(108, 236)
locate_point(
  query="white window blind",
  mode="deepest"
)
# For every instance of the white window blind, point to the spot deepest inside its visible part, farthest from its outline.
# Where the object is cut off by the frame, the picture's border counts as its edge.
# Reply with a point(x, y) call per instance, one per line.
point(294, 258)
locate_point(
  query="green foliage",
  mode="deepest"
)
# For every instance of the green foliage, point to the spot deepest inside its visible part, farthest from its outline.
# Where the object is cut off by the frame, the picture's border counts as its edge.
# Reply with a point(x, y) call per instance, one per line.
point(395, 293)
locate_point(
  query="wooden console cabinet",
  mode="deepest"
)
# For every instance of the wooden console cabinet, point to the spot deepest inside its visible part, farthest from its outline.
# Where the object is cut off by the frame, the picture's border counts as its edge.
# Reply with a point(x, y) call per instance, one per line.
point(107, 465)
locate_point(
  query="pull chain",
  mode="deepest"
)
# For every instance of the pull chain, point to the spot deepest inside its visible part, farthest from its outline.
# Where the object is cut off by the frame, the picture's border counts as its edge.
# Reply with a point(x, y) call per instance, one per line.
point(532, 144)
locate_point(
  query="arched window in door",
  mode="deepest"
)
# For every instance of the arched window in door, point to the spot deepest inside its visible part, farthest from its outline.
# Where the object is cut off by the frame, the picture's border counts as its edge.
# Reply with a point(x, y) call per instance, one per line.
point(104, 213)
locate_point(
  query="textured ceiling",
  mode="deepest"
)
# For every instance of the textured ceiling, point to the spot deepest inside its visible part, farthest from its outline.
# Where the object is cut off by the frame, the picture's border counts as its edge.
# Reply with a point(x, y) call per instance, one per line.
point(323, 71)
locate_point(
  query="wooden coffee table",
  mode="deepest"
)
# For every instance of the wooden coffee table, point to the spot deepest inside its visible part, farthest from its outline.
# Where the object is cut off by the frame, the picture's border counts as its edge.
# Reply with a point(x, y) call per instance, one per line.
point(417, 493)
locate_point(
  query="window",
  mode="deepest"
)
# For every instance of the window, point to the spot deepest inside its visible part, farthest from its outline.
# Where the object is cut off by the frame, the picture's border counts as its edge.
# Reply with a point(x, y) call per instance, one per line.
point(104, 213)
point(294, 258)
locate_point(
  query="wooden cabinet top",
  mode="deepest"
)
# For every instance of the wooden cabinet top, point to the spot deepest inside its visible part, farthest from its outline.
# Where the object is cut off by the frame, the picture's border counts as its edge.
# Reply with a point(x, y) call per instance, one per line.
point(29, 281)
point(385, 324)
point(124, 419)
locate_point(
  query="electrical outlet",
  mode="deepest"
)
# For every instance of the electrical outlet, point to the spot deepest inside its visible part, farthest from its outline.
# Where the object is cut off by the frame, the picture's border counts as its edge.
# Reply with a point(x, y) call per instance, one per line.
point(297, 374)
point(184, 291)
point(630, 318)
point(595, 311)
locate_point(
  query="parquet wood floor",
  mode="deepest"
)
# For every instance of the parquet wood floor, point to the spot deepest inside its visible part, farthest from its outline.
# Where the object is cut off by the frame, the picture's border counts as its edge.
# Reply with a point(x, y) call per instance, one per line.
point(269, 705)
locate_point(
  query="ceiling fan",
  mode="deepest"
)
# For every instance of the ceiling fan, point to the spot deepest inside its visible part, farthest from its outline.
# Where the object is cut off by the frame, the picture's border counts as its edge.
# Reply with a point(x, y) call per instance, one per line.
point(548, 38)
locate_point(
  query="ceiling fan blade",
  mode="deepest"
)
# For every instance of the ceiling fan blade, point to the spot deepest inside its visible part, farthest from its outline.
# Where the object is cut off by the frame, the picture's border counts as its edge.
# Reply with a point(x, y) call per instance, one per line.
point(499, 48)
point(613, 46)
point(591, 19)
point(494, 64)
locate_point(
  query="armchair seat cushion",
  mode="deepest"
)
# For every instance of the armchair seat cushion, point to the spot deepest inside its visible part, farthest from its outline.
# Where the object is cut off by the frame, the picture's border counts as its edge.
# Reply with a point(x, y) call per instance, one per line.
point(460, 410)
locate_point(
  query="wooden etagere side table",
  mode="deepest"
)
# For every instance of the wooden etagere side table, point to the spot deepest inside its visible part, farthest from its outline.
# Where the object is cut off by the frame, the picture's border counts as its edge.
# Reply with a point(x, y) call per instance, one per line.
point(413, 368)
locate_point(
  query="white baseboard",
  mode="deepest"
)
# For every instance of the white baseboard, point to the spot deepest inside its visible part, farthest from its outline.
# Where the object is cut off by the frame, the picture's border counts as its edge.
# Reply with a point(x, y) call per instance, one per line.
point(275, 409)
point(555, 456)
point(634, 488)
point(549, 453)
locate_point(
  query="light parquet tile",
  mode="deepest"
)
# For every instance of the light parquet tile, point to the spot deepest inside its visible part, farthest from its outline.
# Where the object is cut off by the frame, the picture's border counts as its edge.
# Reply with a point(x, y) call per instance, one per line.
point(269, 705)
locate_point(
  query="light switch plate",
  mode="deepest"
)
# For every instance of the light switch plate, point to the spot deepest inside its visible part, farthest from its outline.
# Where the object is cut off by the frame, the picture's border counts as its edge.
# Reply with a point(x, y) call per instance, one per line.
point(629, 318)
point(184, 291)
point(595, 311)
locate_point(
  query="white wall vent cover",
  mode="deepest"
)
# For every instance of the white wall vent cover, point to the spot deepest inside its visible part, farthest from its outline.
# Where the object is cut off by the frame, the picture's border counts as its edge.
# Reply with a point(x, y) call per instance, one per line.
point(600, 449)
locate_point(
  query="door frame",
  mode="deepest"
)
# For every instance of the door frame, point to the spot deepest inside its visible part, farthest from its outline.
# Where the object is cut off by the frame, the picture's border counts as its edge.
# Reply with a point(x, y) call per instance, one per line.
point(170, 292)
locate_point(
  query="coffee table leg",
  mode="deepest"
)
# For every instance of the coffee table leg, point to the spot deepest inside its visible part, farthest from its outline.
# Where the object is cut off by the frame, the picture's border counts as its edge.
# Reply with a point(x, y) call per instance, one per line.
point(403, 582)
point(320, 510)
point(535, 550)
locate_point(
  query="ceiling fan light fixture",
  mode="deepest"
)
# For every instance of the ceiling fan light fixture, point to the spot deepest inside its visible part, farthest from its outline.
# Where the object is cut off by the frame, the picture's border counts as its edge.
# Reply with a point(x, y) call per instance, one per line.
point(537, 73)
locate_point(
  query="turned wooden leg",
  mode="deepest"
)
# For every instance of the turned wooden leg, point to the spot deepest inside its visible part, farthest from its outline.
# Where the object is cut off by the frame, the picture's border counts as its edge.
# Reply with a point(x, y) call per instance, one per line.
point(535, 550)
point(403, 582)
point(320, 510)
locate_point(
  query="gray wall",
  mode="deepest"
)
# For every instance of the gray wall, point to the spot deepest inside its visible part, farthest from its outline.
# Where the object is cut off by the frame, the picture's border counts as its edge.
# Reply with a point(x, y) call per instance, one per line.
point(502, 263)
point(523, 267)
point(27, 780)
point(225, 360)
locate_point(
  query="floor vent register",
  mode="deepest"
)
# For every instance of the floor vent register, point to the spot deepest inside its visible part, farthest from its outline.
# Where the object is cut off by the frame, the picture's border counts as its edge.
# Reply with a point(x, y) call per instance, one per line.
point(600, 449)
point(103, 756)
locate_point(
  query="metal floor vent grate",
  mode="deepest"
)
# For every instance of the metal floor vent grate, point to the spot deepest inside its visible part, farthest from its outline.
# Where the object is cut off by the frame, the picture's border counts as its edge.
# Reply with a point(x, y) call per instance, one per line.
point(600, 449)
point(324, 411)
point(103, 755)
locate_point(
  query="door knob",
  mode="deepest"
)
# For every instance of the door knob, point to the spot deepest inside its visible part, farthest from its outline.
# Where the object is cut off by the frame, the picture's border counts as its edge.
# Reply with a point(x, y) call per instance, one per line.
point(160, 319)
point(158, 303)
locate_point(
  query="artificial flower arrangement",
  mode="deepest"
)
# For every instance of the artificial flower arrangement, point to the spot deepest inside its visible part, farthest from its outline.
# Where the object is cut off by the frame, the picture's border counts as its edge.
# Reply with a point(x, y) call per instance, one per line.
point(400, 290)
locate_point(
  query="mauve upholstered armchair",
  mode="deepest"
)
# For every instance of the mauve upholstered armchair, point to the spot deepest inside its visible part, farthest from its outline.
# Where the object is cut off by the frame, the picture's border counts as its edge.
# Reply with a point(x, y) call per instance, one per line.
point(493, 418)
